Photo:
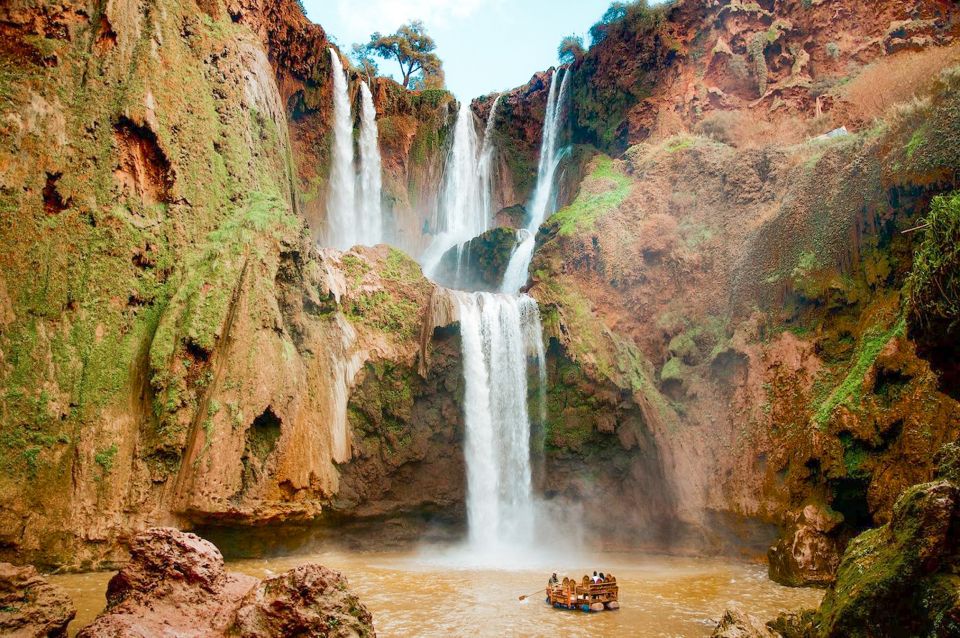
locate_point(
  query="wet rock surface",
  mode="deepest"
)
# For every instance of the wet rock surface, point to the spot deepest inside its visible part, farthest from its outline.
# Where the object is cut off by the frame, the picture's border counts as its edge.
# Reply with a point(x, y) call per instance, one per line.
point(901, 578)
point(30, 607)
point(807, 554)
point(176, 584)
point(480, 263)
point(309, 600)
point(736, 623)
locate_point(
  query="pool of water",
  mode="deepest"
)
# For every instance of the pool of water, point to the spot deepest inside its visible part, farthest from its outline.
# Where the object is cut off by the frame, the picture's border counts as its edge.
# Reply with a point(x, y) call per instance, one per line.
point(425, 593)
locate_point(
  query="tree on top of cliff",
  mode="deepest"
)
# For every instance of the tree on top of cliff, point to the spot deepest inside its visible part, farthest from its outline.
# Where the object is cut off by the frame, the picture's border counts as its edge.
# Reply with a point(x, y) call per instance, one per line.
point(411, 47)
point(625, 16)
point(571, 49)
point(365, 63)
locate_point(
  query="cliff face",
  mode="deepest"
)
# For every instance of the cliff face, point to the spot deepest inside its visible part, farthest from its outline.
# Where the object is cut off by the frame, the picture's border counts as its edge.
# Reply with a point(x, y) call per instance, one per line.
point(174, 350)
point(724, 64)
point(750, 301)
point(728, 337)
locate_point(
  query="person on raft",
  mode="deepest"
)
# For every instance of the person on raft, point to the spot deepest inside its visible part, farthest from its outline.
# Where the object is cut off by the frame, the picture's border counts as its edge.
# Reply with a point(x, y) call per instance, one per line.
point(595, 578)
point(554, 580)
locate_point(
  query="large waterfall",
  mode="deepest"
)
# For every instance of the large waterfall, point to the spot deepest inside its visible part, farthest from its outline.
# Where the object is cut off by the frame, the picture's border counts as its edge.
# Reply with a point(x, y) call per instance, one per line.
point(544, 198)
point(500, 334)
point(369, 212)
point(464, 210)
point(341, 193)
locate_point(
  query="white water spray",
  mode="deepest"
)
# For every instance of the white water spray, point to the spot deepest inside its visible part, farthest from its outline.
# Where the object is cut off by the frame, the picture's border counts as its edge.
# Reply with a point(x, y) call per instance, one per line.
point(544, 198)
point(500, 333)
point(341, 193)
point(369, 219)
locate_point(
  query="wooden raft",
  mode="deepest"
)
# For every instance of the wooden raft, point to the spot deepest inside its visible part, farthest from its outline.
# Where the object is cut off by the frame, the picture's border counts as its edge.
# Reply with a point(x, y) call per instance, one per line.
point(586, 595)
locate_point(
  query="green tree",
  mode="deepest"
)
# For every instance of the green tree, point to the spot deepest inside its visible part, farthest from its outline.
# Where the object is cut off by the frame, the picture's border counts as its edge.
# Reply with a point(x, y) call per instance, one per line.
point(411, 47)
point(365, 64)
point(571, 49)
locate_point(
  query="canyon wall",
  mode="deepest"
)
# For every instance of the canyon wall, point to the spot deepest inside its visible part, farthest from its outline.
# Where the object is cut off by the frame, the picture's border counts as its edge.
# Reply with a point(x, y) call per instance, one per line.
point(730, 350)
point(174, 348)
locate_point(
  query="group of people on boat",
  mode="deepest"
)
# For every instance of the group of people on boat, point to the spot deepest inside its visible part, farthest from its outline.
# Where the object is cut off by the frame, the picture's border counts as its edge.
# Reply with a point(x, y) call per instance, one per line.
point(597, 578)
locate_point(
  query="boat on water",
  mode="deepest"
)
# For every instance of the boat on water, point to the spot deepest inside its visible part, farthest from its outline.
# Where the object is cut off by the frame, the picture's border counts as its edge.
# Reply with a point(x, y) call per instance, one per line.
point(587, 595)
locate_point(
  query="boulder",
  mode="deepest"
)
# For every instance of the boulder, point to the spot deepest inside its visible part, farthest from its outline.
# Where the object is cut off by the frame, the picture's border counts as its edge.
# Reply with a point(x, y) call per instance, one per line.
point(176, 585)
point(901, 579)
point(30, 607)
point(480, 263)
point(736, 623)
point(807, 554)
point(307, 601)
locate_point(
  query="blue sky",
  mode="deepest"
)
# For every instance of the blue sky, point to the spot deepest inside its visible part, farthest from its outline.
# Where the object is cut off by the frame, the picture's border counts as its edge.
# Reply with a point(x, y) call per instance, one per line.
point(486, 45)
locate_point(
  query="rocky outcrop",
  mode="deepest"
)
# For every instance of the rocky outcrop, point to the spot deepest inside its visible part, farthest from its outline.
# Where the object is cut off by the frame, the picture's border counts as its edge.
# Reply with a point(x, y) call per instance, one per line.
point(480, 263)
point(655, 72)
point(309, 600)
point(30, 607)
point(807, 553)
point(176, 244)
point(901, 577)
point(737, 623)
point(754, 317)
point(175, 583)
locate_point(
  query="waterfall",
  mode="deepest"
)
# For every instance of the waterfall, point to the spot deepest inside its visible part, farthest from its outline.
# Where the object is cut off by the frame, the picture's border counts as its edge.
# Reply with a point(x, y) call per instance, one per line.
point(464, 209)
point(544, 199)
point(341, 195)
point(499, 333)
point(486, 163)
point(369, 220)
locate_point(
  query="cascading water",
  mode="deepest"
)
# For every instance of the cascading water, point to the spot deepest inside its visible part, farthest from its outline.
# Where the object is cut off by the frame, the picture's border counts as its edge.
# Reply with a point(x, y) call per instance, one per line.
point(369, 219)
point(462, 214)
point(499, 334)
point(486, 162)
point(341, 193)
point(544, 200)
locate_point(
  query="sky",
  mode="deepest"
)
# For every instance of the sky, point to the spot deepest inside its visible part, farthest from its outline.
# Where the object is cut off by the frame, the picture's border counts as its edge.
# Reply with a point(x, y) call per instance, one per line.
point(485, 45)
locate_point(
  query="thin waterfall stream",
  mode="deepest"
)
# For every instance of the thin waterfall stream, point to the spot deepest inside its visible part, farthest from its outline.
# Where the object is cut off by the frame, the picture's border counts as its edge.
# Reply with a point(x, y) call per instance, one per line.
point(341, 194)
point(544, 196)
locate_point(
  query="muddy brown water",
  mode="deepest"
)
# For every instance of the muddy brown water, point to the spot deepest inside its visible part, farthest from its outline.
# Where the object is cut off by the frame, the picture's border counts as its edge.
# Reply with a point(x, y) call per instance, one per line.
point(415, 594)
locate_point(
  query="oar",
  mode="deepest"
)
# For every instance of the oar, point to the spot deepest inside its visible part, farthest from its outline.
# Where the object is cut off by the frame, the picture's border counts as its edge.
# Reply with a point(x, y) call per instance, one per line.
point(524, 597)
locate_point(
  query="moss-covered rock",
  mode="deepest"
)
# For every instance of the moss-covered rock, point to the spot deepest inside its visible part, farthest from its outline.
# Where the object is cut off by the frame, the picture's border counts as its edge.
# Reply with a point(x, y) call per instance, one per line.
point(480, 263)
point(900, 579)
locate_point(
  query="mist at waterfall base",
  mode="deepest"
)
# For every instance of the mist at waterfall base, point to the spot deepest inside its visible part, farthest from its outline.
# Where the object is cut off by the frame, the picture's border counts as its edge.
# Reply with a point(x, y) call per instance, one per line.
point(502, 343)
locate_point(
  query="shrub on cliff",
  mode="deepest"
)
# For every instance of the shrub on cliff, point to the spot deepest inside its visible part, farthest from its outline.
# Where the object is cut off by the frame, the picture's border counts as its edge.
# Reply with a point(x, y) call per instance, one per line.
point(623, 17)
point(934, 283)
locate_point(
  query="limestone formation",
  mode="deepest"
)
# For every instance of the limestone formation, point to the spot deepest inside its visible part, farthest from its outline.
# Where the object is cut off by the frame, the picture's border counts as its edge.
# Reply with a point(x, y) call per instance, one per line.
point(30, 607)
point(736, 623)
point(175, 584)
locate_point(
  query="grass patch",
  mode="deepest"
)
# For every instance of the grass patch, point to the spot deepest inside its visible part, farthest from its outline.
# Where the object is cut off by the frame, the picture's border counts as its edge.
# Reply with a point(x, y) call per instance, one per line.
point(603, 190)
point(400, 267)
point(850, 391)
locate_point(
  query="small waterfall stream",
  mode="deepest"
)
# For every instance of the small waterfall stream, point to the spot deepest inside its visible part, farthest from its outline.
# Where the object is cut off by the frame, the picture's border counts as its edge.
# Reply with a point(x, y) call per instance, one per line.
point(341, 193)
point(544, 197)
point(369, 212)
point(354, 209)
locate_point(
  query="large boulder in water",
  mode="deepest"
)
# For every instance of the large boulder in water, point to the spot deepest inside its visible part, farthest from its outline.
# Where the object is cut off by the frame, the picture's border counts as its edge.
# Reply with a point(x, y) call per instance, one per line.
point(480, 263)
point(307, 601)
point(30, 607)
point(176, 585)
point(736, 623)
